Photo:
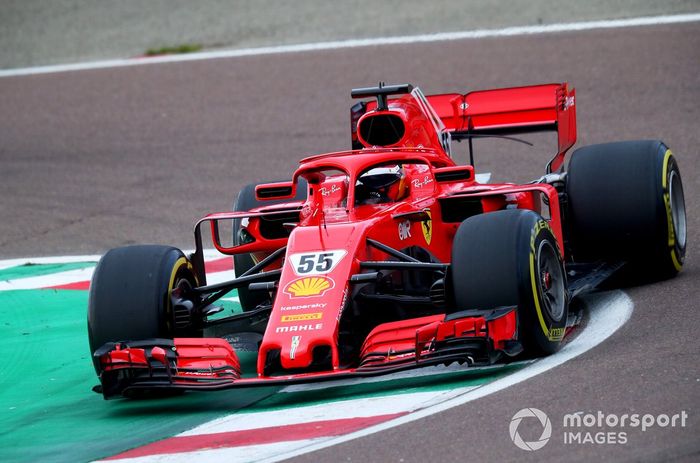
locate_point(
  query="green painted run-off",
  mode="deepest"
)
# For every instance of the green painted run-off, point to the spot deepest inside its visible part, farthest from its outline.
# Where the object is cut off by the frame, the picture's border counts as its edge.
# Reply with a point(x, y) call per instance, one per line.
point(47, 409)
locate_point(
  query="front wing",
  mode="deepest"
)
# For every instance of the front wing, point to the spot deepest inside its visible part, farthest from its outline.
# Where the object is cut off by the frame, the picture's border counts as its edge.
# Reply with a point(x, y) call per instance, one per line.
point(472, 337)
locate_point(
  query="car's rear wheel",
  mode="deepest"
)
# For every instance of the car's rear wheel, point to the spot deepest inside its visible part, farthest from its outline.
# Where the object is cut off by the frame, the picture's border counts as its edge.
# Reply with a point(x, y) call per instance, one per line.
point(626, 202)
point(130, 295)
point(246, 201)
point(511, 258)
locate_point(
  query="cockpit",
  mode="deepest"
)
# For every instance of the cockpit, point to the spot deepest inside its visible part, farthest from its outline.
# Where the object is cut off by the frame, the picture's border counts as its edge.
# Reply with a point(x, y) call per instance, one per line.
point(380, 184)
point(385, 184)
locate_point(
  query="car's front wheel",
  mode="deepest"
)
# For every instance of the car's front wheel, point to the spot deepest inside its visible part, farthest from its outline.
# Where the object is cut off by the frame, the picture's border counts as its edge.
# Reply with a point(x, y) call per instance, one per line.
point(130, 295)
point(511, 258)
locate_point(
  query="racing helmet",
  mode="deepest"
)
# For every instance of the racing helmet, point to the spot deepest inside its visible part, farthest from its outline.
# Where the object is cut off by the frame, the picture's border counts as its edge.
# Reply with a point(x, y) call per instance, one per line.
point(381, 185)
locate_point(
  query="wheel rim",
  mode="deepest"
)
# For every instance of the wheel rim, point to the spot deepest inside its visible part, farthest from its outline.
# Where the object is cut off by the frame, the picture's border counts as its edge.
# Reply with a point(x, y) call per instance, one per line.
point(677, 208)
point(550, 281)
point(182, 286)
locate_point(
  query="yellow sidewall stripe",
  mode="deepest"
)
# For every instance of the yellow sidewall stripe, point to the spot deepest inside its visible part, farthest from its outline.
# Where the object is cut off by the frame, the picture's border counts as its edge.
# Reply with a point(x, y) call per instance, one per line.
point(538, 308)
point(536, 297)
point(669, 214)
point(182, 261)
point(667, 157)
point(676, 264)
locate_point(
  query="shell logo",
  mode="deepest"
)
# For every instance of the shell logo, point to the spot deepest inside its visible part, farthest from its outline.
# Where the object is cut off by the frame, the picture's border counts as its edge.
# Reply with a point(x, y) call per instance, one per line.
point(309, 286)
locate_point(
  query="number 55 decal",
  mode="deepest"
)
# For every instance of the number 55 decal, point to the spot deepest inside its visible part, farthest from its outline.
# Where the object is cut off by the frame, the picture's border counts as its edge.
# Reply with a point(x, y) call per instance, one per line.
point(316, 263)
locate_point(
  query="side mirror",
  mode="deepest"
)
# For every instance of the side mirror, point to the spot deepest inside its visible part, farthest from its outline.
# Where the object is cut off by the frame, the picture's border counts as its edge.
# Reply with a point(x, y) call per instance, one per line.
point(277, 190)
point(454, 174)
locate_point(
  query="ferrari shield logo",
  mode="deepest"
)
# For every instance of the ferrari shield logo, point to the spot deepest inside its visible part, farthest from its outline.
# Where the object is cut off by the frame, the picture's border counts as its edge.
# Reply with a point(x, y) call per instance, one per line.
point(427, 226)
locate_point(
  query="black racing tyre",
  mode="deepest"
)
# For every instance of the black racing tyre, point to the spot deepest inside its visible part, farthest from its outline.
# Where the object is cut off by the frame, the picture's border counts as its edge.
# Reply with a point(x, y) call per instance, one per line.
point(626, 202)
point(511, 258)
point(246, 201)
point(130, 294)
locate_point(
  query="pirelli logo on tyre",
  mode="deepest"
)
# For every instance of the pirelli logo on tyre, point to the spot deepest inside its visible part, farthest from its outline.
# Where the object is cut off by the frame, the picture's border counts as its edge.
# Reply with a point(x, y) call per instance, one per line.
point(540, 225)
point(556, 334)
point(302, 317)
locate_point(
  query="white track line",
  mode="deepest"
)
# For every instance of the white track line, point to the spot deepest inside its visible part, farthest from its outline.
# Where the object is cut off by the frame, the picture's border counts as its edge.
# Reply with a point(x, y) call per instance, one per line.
point(8, 263)
point(47, 281)
point(221, 277)
point(242, 454)
point(355, 43)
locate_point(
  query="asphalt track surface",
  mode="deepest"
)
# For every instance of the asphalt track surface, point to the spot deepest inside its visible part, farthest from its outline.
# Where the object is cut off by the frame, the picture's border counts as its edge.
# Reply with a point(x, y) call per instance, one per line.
point(41, 32)
point(97, 159)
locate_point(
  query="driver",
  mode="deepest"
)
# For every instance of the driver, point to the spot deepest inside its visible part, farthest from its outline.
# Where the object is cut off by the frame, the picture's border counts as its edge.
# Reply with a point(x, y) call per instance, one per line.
point(381, 185)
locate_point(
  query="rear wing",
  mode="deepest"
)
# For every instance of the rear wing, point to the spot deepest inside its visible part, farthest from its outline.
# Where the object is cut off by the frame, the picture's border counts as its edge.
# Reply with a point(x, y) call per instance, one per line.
point(510, 111)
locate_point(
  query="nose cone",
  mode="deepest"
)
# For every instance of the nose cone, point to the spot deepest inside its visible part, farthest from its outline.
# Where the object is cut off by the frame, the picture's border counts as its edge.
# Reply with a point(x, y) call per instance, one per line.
point(312, 292)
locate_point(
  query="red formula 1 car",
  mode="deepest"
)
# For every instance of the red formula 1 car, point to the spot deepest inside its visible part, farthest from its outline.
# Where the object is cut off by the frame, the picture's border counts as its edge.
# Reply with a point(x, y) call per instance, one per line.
point(391, 256)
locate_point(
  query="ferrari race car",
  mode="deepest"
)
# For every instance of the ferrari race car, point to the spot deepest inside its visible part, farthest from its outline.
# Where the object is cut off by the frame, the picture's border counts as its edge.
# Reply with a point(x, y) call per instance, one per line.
point(392, 256)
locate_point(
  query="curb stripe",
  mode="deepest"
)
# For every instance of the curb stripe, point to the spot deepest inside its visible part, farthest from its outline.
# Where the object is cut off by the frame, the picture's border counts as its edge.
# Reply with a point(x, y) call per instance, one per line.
point(209, 254)
point(356, 43)
point(77, 286)
point(219, 265)
point(218, 269)
point(292, 432)
point(9, 263)
point(390, 403)
point(48, 281)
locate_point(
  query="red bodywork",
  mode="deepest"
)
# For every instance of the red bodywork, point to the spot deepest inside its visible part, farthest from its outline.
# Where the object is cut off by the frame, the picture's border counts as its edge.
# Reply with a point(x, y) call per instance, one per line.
point(332, 236)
